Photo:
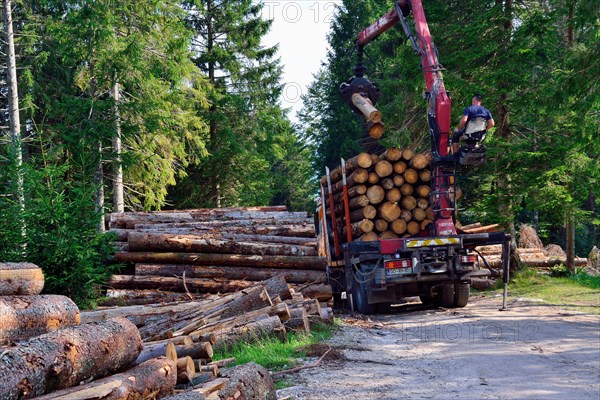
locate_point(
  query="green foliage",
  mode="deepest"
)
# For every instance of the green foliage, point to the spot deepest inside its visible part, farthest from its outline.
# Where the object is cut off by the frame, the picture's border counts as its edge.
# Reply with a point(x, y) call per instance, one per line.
point(271, 353)
point(61, 235)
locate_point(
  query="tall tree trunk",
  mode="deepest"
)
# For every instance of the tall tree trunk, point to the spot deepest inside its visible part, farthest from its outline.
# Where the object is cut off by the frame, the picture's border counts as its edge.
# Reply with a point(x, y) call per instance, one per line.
point(118, 202)
point(570, 240)
point(13, 109)
point(215, 188)
point(99, 182)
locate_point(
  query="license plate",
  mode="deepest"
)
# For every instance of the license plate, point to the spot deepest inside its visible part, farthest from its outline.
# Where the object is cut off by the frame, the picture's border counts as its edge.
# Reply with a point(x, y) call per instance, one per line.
point(398, 271)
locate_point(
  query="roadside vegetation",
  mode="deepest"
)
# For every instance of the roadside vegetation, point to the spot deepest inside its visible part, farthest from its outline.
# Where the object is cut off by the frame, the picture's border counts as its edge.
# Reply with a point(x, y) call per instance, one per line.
point(579, 291)
point(272, 353)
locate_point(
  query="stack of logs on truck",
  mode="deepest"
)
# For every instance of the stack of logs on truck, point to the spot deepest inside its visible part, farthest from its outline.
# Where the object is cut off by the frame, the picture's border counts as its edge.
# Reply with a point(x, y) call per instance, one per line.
point(50, 349)
point(173, 253)
point(388, 196)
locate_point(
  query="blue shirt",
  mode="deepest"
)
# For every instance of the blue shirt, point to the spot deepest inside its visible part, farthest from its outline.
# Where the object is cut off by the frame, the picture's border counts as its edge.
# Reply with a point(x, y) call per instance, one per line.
point(476, 112)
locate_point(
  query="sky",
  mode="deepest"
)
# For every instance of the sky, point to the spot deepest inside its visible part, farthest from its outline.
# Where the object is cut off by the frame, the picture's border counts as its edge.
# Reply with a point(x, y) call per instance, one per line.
point(300, 28)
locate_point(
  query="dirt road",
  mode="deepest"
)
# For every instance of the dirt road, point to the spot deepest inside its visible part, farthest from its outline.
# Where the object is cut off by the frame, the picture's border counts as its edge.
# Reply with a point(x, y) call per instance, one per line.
point(531, 351)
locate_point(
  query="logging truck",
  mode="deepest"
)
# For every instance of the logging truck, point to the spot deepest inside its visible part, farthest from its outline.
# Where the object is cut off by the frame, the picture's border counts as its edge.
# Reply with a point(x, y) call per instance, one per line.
point(409, 199)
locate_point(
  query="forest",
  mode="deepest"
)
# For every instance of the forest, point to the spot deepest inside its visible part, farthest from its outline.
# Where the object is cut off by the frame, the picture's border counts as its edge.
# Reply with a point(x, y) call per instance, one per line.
point(110, 106)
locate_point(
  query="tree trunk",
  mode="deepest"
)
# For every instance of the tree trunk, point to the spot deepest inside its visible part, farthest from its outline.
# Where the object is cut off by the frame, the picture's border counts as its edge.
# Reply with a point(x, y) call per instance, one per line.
point(154, 378)
point(298, 321)
point(23, 317)
point(419, 161)
point(118, 202)
point(99, 195)
point(176, 284)
point(321, 292)
point(388, 235)
point(368, 212)
point(13, 110)
point(392, 154)
point(126, 297)
point(64, 358)
point(381, 225)
point(289, 262)
point(143, 241)
point(223, 272)
point(409, 203)
point(393, 195)
point(383, 168)
point(364, 226)
point(203, 350)
point(389, 211)
point(373, 178)
point(365, 106)
point(20, 279)
point(398, 226)
point(399, 168)
point(186, 369)
point(300, 231)
point(410, 176)
point(375, 194)
point(165, 349)
point(250, 380)
point(363, 160)
point(570, 240)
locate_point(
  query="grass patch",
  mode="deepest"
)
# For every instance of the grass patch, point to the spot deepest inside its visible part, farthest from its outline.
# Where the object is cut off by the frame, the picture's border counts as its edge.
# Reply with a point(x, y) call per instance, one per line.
point(273, 354)
point(579, 291)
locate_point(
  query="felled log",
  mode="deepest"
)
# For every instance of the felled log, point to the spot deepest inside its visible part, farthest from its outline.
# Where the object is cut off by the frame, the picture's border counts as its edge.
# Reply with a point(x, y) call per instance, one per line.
point(165, 349)
point(425, 175)
point(373, 178)
point(392, 154)
point(144, 241)
point(236, 273)
point(364, 226)
point(23, 317)
point(298, 321)
point(177, 284)
point(277, 286)
point(375, 194)
point(20, 279)
point(253, 331)
point(363, 160)
point(407, 154)
point(317, 291)
point(368, 237)
point(381, 225)
point(365, 106)
point(413, 227)
point(411, 176)
point(387, 183)
point(233, 226)
point(399, 168)
point(388, 235)
point(290, 262)
point(419, 161)
point(383, 168)
point(129, 297)
point(483, 229)
point(389, 211)
point(368, 212)
point(154, 378)
point(210, 388)
point(398, 226)
point(409, 203)
point(251, 381)
point(186, 369)
point(375, 129)
point(393, 195)
point(66, 357)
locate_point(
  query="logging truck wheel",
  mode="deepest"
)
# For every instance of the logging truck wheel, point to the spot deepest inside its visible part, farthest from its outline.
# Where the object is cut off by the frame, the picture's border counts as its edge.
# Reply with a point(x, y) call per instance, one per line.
point(360, 299)
point(384, 308)
point(445, 297)
point(461, 294)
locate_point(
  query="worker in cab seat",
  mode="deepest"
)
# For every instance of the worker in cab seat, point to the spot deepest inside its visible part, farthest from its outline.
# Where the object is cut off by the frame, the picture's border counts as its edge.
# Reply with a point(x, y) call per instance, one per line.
point(474, 123)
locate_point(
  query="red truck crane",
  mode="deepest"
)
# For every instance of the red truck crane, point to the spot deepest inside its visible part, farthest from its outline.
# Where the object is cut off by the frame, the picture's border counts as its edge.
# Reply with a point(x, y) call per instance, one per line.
point(438, 264)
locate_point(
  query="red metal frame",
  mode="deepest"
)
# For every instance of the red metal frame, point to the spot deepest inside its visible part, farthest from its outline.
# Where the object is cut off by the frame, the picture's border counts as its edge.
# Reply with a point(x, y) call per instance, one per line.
point(346, 203)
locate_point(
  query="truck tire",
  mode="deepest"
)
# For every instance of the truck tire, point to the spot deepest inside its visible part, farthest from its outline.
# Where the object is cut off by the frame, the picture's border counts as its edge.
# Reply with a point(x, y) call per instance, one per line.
point(461, 294)
point(384, 308)
point(360, 299)
point(445, 297)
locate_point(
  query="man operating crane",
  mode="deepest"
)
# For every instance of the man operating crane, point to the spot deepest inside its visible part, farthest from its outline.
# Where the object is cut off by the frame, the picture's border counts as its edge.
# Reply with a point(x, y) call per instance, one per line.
point(475, 113)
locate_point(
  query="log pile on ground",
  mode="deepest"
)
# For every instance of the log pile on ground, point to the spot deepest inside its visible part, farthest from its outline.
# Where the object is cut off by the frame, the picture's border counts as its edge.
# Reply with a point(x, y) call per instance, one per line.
point(389, 195)
point(152, 351)
point(206, 251)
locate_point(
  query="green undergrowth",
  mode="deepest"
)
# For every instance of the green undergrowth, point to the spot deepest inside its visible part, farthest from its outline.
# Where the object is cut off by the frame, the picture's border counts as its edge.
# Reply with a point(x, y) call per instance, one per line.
point(272, 353)
point(579, 291)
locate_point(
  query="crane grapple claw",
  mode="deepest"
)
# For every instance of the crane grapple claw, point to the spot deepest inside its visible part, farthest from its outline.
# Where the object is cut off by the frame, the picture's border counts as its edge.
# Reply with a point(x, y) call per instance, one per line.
point(362, 86)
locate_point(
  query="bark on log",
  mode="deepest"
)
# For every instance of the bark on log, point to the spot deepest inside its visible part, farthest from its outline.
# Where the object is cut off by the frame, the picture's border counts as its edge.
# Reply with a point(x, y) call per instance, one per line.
point(363, 160)
point(484, 229)
point(23, 317)
point(304, 230)
point(289, 262)
point(389, 211)
point(251, 380)
point(298, 321)
point(368, 212)
point(359, 176)
point(251, 332)
point(177, 284)
point(358, 202)
point(144, 241)
point(210, 338)
point(383, 168)
point(224, 272)
point(238, 226)
point(202, 350)
point(64, 358)
point(393, 195)
point(20, 279)
point(400, 167)
point(319, 291)
point(277, 287)
point(381, 225)
point(410, 176)
point(373, 178)
point(165, 349)
point(365, 106)
point(155, 379)
point(376, 194)
point(392, 154)
point(254, 299)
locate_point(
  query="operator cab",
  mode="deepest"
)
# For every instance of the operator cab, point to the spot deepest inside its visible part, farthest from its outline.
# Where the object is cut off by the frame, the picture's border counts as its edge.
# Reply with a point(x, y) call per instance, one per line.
point(473, 152)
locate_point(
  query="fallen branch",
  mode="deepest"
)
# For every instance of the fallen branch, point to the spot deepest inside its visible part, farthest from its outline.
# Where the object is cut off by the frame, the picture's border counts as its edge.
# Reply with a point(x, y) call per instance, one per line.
point(312, 365)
